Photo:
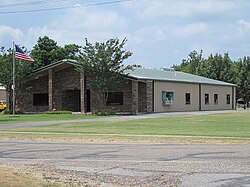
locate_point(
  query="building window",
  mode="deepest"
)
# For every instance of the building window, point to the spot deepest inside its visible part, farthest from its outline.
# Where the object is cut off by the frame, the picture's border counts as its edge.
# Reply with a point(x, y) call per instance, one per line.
point(188, 98)
point(216, 99)
point(228, 99)
point(167, 97)
point(206, 99)
point(115, 98)
point(41, 99)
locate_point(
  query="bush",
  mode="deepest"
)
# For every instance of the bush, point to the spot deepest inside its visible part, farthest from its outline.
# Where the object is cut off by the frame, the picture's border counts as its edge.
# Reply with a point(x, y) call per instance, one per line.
point(104, 113)
point(11, 112)
point(59, 112)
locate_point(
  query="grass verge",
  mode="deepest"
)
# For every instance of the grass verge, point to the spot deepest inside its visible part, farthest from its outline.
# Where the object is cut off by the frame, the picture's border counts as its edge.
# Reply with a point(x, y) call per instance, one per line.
point(218, 128)
point(5, 119)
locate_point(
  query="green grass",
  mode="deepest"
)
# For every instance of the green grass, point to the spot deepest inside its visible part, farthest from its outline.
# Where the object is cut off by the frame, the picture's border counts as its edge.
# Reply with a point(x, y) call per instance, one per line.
point(40, 117)
point(231, 126)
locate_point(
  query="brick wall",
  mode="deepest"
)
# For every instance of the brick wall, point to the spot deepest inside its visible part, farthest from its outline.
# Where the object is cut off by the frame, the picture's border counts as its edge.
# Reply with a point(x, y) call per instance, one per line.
point(66, 87)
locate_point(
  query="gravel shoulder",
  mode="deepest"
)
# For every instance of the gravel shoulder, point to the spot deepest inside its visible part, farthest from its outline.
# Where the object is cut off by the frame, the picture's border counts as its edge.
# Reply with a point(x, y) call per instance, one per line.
point(94, 164)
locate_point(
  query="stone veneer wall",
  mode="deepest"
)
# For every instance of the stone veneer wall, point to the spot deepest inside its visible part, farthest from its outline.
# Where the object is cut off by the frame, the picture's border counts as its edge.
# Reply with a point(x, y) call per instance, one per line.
point(69, 79)
point(64, 80)
point(145, 96)
point(149, 96)
point(142, 97)
point(24, 97)
point(125, 87)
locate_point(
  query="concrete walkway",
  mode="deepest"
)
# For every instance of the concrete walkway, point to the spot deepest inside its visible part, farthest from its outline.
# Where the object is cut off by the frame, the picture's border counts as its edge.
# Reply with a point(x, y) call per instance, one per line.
point(116, 118)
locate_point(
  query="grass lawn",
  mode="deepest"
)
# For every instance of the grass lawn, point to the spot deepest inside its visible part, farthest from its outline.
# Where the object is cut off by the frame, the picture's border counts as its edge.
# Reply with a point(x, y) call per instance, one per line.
point(226, 128)
point(41, 117)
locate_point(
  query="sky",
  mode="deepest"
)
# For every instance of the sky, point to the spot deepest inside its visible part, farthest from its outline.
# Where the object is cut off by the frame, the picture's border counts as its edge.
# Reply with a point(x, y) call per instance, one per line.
point(160, 33)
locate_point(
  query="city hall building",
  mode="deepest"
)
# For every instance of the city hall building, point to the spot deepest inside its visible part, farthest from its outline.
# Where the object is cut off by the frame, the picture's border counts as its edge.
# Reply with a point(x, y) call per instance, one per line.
point(59, 86)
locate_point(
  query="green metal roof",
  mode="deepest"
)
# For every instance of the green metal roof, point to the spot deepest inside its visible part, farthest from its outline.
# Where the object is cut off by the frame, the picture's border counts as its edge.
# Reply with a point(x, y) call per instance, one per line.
point(152, 74)
point(173, 76)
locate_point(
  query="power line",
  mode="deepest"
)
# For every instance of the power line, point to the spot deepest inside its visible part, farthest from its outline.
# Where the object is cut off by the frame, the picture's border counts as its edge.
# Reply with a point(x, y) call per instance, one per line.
point(31, 3)
point(66, 7)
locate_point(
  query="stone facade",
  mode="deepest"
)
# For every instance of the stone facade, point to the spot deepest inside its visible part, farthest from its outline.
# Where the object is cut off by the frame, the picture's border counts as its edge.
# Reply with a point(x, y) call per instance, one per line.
point(38, 85)
point(68, 89)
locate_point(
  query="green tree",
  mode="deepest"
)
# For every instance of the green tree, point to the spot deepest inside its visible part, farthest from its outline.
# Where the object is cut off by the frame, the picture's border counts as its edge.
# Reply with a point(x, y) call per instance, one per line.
point(191, 65)
point(6, 73)
point(46, 51)
point(243, 79)
point(215, 66)
point(102, 63)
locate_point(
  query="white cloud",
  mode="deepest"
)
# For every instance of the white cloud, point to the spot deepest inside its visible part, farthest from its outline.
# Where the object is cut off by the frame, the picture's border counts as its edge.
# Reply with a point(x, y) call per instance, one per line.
point(182, 8)
point(80, 23)
point(242, 26)
point(9, 34)
point(190, 30)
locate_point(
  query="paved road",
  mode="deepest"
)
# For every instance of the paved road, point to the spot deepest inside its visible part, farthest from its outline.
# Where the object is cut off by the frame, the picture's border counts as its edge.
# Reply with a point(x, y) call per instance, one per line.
point(132, 164)
point(117, 118)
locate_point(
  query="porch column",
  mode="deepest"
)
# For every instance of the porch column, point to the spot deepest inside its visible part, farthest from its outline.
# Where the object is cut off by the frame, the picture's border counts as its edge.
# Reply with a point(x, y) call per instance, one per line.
point(149, 96)
point(82, 88)
point(50, 89)
point(134, 97)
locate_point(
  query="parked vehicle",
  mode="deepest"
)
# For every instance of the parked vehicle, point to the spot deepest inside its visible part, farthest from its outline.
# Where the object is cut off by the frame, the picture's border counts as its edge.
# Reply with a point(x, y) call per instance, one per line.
point(3, 105)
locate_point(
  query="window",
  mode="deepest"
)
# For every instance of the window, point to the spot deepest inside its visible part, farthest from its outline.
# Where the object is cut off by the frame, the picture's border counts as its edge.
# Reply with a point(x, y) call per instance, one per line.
point(216, 99)
point(228, 99)
point(115, 98)
point(167, 97)
point(206, 99)
point(41, 99)
point(188, 98)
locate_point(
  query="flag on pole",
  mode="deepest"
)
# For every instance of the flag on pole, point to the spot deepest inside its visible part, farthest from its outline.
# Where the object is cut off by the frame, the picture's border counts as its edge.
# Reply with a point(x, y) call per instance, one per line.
point(19, 54)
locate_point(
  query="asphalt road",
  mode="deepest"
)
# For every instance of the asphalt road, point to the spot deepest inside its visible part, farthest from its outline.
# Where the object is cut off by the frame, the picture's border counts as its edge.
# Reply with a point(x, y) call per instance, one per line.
point(132, 164)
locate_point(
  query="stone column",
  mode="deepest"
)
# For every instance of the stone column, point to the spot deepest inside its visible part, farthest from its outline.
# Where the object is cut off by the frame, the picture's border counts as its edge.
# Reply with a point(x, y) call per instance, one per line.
point(149, 96)
point(50, 88)
point(82, 88)
point(134, 97)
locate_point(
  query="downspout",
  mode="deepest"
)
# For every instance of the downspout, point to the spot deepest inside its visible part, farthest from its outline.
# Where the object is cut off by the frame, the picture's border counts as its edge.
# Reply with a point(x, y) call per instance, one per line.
point(199, 97)
point(233, 100)
point(153, 95)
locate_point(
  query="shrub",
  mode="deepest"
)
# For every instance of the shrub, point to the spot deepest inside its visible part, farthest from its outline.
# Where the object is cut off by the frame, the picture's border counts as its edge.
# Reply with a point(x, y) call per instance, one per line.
point(104, 113)
point(59, 112)
point(11, 112)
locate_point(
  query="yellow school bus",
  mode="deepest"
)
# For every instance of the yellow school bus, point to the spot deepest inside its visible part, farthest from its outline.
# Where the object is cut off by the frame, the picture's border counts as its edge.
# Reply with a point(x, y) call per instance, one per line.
point(3, 105)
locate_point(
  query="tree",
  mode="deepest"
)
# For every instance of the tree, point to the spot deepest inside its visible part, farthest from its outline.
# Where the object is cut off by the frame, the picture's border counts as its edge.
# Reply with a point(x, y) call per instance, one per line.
point(219, 67)
point(46, 51)
point(192, 64)
point(243, 79)
point(6, 73)
point(102, 63)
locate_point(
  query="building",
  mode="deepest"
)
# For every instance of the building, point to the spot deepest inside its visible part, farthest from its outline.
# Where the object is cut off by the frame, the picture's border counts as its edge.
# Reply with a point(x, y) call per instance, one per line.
point(59, 86)
point(2, 93)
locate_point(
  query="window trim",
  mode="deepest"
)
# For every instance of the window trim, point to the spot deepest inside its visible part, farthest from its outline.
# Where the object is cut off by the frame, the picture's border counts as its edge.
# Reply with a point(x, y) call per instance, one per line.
point(120, 103)
point(188, 103)
point(217, 99)
point(228, 100)
point(206, 102)
point(167, 102)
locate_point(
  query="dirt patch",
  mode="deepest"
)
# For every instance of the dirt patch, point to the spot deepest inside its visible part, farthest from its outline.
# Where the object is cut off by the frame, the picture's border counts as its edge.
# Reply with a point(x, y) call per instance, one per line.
point(21, 178)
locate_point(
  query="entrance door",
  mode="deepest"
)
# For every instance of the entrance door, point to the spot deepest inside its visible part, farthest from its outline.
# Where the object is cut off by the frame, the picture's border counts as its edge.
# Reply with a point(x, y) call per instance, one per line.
point(71, 100)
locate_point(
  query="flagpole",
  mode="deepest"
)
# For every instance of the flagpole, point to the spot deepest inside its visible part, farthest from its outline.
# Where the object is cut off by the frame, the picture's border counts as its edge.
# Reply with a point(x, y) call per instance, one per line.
point(13, 89)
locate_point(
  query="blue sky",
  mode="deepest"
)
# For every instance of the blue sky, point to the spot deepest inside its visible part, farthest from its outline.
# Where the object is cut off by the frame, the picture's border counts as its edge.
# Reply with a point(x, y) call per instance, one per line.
point(160, 33)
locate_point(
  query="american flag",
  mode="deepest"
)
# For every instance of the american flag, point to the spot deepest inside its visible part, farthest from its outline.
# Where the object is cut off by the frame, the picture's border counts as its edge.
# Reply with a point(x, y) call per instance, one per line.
point(19, 54)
